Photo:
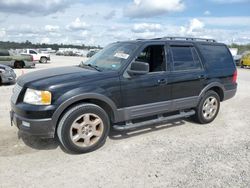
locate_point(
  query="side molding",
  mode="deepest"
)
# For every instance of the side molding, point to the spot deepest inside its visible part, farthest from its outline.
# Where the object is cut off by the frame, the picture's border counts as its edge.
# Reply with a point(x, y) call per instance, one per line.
point(140, 111)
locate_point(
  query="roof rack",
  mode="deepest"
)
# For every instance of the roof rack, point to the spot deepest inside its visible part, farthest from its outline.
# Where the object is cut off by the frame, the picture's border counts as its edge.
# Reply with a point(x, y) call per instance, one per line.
point(189, 39)
point(183, 38)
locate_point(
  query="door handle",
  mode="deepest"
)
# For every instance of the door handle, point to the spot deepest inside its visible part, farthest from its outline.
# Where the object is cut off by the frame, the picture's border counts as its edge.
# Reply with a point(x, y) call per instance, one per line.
point(162, 81)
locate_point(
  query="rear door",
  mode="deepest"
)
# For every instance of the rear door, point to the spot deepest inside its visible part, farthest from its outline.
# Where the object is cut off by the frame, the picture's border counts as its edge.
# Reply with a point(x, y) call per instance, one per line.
point(187, 76)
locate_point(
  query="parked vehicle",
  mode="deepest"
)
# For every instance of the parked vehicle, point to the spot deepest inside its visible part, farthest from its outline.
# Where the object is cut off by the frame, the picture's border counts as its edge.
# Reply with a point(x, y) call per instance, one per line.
point(47, 50)
point(7, 75)
point(126, 85)
point(71, 52)
point(237, 59)
point(245, 60)
point(16, 61)
point(92, 52)
point(41, 57)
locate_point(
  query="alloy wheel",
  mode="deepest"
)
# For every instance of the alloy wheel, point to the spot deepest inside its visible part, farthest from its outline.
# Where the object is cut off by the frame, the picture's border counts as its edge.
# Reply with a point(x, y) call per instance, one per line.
point(86, 130)
point(210, 108)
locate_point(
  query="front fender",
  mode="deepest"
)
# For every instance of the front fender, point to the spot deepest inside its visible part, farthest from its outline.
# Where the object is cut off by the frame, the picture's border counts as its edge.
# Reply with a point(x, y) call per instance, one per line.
point(79, 98)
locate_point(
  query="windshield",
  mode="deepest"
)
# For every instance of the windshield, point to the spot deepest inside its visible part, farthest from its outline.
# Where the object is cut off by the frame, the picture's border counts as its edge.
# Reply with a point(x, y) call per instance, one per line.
point(112, 57)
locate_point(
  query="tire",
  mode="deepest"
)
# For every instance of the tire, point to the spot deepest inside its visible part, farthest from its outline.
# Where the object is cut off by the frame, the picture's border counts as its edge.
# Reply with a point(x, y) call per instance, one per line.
point(18, 64)
point(43, 60)
point(83, 128)
point(242, 65)
point(208, 108)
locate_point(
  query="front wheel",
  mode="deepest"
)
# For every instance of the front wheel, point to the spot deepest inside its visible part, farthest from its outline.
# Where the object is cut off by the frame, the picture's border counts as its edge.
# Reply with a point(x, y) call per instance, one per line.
point(208, 107)
point(43, 60)
point(83, 128)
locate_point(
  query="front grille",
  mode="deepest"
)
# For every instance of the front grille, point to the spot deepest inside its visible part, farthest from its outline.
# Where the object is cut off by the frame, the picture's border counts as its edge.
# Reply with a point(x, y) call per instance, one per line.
point(16, 92)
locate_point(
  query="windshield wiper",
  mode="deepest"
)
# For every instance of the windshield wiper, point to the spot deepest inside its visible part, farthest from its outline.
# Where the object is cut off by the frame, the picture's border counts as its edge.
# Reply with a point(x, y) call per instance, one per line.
point(91, 66)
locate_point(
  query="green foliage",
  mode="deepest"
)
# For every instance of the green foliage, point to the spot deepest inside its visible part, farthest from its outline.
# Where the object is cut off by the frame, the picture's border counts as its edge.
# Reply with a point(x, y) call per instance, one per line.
point(28, 44)
point(241, 48)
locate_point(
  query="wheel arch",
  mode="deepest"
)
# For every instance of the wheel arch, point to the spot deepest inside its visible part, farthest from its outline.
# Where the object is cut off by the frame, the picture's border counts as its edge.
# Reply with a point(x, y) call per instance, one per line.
point(100, 100)
point(21, 62)
point(219, 91)
point(215, 86)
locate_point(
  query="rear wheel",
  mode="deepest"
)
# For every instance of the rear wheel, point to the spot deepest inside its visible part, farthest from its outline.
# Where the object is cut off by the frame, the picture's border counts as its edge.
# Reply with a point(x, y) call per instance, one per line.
point(83, 128)
point(208, 108)
point(43, 60)
point(18, 64)
point(242, 64)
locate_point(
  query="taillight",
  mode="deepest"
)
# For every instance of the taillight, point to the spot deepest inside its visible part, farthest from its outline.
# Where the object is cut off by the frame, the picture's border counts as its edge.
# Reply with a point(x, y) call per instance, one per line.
point(235, 76)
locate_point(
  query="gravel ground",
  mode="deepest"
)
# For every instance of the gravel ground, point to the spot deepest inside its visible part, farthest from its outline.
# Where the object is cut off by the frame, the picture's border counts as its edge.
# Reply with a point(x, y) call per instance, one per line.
point(177, 154)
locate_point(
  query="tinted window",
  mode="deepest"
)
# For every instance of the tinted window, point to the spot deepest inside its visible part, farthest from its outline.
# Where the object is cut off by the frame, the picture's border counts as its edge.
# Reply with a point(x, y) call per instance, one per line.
point(32, 52)
point(185, 58)
point(144, 56)
point(216, 56)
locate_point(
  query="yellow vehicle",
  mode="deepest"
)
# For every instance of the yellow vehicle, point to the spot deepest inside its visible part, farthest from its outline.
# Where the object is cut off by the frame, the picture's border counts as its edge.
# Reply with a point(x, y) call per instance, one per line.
point(245, 60)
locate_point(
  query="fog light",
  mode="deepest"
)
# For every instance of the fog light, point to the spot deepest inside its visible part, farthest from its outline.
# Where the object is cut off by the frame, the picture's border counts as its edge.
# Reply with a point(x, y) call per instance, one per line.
point(25, 124)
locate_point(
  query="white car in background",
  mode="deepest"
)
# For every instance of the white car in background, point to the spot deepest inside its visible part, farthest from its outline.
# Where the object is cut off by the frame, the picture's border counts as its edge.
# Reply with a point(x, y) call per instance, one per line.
point(41, 57)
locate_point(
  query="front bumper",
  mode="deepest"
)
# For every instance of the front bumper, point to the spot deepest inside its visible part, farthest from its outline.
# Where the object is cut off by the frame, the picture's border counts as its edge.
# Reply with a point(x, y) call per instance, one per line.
point(38, 127)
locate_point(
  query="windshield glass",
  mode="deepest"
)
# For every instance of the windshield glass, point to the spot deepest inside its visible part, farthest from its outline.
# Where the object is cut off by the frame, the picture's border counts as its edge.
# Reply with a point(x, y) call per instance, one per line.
point(112, 57)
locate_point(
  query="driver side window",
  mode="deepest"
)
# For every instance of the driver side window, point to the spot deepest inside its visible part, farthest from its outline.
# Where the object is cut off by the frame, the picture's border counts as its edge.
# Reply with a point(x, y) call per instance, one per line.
point(32, 52)
point(154, 55)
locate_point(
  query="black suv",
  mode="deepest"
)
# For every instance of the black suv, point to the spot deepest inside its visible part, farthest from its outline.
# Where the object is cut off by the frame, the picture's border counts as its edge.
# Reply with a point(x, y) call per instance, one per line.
point(126, 85)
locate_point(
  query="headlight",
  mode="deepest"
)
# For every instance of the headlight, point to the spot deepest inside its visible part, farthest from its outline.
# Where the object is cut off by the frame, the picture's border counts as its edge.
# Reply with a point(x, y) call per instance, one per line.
point(37, 97)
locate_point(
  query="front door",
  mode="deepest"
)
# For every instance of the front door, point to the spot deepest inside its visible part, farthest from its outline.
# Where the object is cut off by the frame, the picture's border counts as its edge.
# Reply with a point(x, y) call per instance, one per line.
point(151, 88)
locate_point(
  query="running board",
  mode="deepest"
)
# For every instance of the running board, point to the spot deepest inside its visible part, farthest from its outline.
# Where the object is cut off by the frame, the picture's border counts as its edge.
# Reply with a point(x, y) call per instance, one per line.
point(129, 125)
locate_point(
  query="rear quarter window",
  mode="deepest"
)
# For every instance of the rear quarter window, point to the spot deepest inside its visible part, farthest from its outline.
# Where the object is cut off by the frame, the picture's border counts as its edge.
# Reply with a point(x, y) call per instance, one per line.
point(216, 56)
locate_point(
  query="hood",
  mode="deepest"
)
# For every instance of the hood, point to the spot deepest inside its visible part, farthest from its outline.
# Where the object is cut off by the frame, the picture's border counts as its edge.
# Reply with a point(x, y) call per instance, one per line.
point(49, 76)
point(63, 76)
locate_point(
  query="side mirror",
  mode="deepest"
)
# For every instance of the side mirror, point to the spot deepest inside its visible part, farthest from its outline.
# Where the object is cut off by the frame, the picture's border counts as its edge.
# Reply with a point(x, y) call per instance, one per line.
point(138, 68)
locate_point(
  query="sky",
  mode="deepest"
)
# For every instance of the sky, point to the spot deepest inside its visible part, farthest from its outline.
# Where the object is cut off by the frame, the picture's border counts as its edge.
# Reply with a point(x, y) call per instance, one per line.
point(100, 22)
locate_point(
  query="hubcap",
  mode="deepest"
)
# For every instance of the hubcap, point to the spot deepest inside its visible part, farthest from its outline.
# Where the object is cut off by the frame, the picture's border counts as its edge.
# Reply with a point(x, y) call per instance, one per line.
point(43, 60)
point(210, 108)
point(86, 130)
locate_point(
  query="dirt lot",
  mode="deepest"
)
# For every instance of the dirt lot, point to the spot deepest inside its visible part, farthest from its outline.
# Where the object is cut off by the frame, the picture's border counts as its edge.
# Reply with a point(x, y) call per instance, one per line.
point(178, 154)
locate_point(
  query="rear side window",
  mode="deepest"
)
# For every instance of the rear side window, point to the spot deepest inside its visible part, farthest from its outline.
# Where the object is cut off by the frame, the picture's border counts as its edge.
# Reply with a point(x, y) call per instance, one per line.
point(185, 58)
point(216, 56)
